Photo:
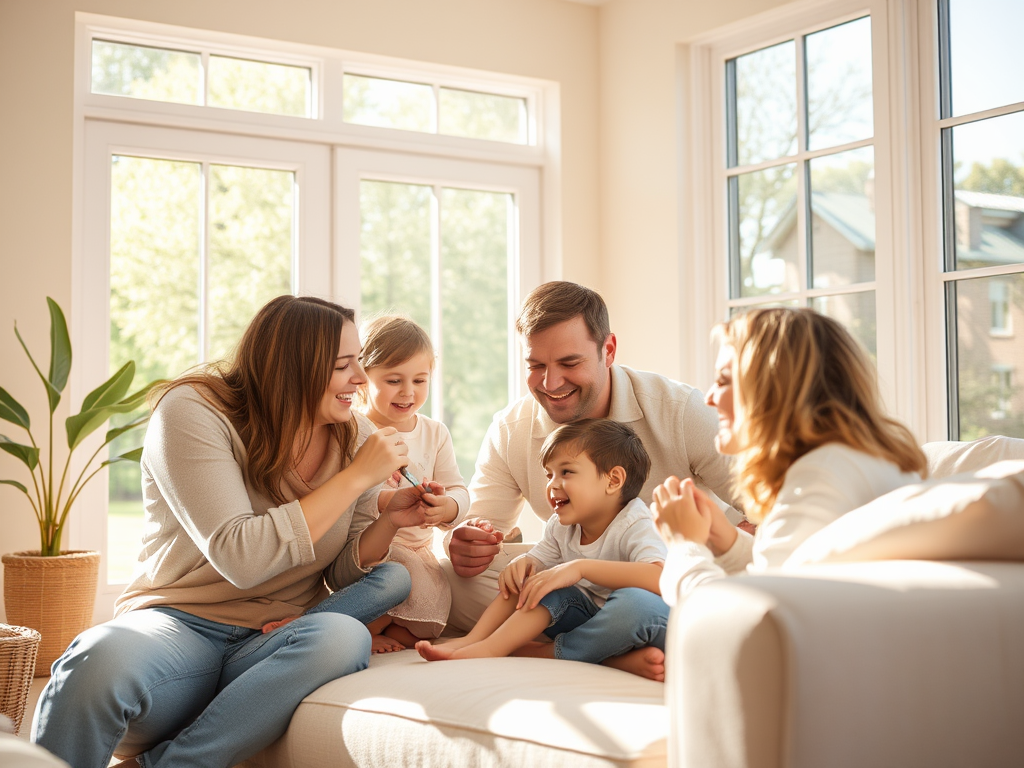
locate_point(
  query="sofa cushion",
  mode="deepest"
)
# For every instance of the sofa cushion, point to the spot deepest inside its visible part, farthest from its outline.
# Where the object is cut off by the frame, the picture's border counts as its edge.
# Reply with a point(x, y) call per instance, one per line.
point(971, 516)
point(947, 458)
point(476, 712)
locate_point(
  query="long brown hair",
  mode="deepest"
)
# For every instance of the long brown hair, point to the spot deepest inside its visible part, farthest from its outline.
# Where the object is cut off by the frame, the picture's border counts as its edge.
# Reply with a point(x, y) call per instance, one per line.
point(272, 386)
point(804, 381)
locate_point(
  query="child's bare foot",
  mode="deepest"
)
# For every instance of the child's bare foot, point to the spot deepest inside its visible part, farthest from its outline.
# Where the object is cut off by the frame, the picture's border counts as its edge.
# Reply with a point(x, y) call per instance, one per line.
point(646, 662)
point(432, 652)
point(384, 644)
point(402, 635)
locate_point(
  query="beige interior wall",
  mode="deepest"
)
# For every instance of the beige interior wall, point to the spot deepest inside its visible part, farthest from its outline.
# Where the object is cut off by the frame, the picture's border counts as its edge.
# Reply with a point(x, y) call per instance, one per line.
point(641, 45)
point(549, 39)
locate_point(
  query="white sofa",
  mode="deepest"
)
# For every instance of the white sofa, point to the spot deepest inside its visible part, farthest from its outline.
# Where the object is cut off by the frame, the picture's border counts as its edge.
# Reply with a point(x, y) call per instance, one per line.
point(880, 663)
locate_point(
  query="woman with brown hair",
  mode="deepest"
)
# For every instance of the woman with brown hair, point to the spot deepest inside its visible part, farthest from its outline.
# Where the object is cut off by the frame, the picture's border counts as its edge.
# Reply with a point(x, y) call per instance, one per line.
point(799, 408)
point(263, 494)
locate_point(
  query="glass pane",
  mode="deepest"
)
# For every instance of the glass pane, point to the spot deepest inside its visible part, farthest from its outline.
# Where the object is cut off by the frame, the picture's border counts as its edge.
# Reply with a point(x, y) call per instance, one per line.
point(155, 215)
point(856, 311)
point(257, 86)
point(388, 103)
point(250, 260)
point(990, 352)
point(146, 73)
point(767, 233)
point(766, 104)
point(985, 54)
point(483, 116)
point(988, 162)
point(475, 257)
point(734, 311)
point(839, 101)
point(843, 218)
point(394, 249)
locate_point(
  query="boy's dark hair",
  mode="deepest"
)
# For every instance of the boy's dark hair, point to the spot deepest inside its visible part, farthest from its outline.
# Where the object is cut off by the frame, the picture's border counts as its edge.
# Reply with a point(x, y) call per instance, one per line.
point(608, 444)
point(555, 302)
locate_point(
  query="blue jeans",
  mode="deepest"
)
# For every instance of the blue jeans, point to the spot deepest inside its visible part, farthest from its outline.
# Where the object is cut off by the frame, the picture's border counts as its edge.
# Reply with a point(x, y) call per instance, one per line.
point(631, 618)
point(182, 691)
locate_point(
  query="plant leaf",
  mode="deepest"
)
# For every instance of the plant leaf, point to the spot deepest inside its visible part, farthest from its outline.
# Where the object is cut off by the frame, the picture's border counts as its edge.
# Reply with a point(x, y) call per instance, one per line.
point(137, 398)
point(52, 394)
point(111, 390)
point(16, 484)
point(60, 348)
point(28, 455)
point(84, 424)
point(11, 410)
point(116, 432)
point(132, 455)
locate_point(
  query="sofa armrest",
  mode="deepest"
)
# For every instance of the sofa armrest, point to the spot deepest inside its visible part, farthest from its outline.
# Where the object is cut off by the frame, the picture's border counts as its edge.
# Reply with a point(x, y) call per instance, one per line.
point(905, 663)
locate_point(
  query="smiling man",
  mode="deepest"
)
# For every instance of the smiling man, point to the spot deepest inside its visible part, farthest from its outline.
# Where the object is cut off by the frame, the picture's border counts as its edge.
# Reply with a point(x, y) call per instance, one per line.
point(571, 373)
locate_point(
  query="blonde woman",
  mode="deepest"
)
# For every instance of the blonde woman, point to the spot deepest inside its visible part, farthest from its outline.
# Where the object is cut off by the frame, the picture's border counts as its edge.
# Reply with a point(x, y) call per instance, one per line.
point(262, 492)
point(799, 408)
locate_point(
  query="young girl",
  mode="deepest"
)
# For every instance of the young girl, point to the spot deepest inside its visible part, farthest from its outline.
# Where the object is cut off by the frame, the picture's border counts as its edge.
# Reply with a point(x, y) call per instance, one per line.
point(798, 405)
point(398, 359)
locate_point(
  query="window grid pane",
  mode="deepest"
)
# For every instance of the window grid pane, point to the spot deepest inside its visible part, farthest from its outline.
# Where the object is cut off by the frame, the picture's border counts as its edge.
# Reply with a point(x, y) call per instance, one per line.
point(798, 228)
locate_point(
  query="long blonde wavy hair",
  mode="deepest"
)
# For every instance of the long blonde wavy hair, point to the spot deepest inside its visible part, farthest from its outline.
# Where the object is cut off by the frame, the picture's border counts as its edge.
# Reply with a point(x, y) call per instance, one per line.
point(271, 388)
point(801, 381)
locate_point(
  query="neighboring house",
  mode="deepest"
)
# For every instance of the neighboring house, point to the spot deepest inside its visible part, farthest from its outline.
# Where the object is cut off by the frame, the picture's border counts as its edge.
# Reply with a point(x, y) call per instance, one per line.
point(990, 310)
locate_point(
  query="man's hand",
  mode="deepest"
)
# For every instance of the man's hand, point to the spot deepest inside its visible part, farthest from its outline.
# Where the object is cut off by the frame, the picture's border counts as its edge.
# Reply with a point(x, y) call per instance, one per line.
point(474, 544)
point(515, 574)
point(540, 584)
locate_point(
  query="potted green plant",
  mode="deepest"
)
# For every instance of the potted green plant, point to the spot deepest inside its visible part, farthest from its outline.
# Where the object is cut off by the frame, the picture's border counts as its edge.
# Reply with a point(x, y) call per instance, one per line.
point(53, 590)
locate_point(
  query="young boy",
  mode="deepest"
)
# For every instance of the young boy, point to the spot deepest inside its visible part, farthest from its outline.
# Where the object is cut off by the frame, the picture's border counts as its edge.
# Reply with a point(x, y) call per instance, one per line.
point(600, 539)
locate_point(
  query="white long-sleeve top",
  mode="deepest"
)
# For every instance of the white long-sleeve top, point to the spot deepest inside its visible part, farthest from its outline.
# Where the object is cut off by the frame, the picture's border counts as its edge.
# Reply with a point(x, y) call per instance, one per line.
point(820, 486)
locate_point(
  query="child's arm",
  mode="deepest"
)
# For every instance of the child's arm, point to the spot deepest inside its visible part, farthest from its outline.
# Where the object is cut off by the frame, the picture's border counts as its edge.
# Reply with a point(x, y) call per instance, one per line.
point(515, 574)
point(606, 573)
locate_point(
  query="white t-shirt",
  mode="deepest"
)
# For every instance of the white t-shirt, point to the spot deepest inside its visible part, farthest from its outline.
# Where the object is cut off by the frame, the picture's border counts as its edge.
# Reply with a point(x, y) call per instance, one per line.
point(630, 538)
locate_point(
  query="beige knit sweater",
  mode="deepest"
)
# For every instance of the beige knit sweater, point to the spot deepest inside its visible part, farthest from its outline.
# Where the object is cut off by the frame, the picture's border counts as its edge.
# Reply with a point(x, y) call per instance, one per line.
point(214, 547)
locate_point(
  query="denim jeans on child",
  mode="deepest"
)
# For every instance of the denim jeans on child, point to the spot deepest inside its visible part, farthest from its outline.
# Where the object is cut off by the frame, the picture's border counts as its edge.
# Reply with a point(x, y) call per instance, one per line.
point(185, 691)
point(631, 618)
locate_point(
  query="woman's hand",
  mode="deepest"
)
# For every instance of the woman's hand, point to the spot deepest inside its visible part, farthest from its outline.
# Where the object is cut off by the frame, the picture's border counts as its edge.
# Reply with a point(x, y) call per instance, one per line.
point(406, 508)
point(380, 456)
point(681, 508)
point(515, 574)
point(540, 584)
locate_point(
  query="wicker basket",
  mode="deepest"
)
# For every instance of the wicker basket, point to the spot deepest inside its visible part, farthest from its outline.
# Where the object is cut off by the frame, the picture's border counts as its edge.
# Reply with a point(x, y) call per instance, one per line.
point(52, 594)
point(18, 647)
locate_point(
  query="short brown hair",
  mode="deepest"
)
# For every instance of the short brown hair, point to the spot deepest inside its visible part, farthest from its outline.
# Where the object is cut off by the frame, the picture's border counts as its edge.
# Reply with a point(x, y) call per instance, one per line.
point(391, 340)
point(555, 302)
point(608, 444)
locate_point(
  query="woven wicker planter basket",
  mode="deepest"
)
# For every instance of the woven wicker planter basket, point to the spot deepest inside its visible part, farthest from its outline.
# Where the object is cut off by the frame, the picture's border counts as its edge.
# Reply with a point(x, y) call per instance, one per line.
point(18, 648)
point(54, 595)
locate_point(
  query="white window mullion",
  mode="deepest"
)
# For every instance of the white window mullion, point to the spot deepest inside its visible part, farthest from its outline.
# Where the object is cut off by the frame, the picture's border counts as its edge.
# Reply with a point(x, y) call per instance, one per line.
point(437, 380)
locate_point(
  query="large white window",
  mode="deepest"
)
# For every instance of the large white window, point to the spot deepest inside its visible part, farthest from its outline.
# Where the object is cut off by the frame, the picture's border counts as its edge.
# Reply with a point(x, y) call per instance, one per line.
point(867, 159)
point(215, 172)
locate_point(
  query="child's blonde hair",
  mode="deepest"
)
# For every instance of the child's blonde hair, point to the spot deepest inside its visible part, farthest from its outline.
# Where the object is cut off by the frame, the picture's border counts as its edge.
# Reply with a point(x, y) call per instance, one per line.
point(391, 340)
point(804, 381)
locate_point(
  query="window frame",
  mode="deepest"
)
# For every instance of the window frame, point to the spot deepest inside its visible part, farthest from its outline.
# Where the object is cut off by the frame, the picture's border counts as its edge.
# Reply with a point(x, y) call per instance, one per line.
point(899, 272)
point(90, 327)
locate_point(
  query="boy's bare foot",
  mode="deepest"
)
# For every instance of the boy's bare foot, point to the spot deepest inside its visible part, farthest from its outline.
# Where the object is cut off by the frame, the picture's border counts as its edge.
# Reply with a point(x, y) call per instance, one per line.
point(432, 652)
point(646, 662)
point(384, 644)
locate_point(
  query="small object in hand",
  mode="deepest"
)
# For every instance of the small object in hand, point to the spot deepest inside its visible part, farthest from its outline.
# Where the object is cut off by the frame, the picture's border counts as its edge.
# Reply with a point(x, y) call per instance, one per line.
point(515, 536)
point(410, 477)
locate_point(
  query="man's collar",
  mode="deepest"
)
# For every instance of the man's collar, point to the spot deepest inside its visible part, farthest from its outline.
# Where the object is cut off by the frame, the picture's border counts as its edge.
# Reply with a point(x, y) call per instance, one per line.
point(624, 407)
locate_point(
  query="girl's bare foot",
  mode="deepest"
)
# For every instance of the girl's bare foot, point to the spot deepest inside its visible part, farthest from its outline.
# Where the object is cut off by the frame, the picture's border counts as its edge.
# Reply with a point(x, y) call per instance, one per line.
point(402, 635)
point(432, 652)
point(384, 644)
point(646, 662)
